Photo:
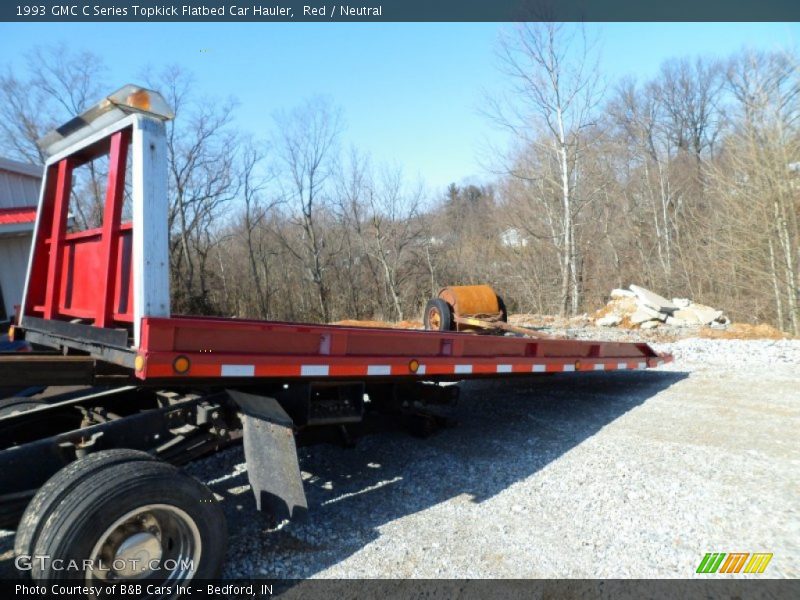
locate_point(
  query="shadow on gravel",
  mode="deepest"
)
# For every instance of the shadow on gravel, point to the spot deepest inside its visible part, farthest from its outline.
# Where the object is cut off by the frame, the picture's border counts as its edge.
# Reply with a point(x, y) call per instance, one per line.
point(504, 431)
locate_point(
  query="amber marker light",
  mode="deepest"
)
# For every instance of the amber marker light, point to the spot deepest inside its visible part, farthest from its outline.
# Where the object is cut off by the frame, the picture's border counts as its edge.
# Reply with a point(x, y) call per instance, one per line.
point(138, 363)
point(181, 364)
point(413, 365)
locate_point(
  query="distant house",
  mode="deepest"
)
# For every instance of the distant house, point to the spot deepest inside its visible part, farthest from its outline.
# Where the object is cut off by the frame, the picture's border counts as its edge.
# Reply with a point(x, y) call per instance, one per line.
point(513, 238)
point(19, 195)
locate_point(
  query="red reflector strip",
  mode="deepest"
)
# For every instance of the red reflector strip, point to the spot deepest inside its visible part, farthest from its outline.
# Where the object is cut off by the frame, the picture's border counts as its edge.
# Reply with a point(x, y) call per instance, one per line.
point(159, 366)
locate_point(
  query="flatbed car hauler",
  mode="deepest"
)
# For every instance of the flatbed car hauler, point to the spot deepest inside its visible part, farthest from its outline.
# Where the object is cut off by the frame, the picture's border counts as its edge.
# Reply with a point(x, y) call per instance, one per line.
point(90, 475)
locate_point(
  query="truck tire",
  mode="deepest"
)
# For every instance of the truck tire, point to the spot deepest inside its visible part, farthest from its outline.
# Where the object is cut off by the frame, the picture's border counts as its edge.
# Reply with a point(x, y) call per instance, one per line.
point(150, 510)
point(58, 486)
point(437, 315)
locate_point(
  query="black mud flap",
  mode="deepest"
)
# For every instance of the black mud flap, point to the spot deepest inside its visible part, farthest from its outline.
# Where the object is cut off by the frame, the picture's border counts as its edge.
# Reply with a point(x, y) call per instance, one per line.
point(271, 456)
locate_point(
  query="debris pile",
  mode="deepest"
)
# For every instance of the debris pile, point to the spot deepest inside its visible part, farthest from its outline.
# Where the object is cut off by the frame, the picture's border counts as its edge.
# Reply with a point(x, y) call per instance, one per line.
point(640, 308)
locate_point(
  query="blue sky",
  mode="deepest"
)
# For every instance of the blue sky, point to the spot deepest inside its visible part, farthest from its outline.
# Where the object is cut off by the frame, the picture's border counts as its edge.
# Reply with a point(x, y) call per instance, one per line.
point(410, 92)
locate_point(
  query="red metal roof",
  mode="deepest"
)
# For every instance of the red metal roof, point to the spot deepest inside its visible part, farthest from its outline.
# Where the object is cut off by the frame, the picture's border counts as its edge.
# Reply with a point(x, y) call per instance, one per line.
point(23, 214)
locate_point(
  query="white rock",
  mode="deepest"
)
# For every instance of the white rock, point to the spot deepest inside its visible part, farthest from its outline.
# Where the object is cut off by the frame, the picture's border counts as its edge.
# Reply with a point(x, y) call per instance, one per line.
point(650, 324)
point(676, 322)
point(681, 302)
point(653, 300)
point(686, 315)
point(699, 314)
point(608, 320)
point(644, 313)
point(618, 293)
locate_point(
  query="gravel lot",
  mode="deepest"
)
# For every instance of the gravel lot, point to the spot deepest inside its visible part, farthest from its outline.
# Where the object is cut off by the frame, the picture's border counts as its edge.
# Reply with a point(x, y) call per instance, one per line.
point(630, 474)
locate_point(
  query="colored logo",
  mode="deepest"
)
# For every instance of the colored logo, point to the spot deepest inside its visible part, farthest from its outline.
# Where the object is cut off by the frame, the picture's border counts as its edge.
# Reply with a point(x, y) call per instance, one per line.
point(734, 562)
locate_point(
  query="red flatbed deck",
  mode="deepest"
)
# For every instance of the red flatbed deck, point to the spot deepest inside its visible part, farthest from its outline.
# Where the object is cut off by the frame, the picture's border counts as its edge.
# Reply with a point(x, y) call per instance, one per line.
point(221, 348)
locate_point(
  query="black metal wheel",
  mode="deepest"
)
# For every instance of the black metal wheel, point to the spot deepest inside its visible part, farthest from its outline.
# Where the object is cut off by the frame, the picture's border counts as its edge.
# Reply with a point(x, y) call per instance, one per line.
point(438, 316)
point(136, 521)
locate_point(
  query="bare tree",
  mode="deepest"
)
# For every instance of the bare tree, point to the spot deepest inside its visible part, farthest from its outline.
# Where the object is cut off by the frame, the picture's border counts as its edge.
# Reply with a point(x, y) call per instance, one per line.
point(256, 210)
point(306, 148)
point(201, 149)
point(392, 230)
point(760, 168)
point(689, 91)
point(638, 116)
point(556, 90)
point(61, 84)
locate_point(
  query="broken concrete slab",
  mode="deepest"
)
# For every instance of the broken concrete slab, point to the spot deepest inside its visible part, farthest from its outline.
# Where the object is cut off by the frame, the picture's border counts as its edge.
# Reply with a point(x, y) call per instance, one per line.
point(697, 313)
point(618, 293)
point(653, 300)
point(649, 324)
point(681, 302)
point(687, 316)
point(676, 322)
point(645, 313)
point(609, 321)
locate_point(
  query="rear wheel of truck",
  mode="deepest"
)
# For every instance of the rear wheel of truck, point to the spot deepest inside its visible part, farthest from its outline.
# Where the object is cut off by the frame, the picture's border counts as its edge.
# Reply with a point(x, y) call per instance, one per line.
point(59, 486)
point(139, 521)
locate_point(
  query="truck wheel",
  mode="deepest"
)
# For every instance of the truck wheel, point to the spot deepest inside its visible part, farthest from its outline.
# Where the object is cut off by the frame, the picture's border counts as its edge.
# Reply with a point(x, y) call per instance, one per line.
point(58, 486)
point(140, 520)
point(437, 315)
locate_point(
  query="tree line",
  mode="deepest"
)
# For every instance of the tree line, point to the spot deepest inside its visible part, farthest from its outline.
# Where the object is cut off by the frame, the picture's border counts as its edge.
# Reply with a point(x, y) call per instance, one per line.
point(687, 183)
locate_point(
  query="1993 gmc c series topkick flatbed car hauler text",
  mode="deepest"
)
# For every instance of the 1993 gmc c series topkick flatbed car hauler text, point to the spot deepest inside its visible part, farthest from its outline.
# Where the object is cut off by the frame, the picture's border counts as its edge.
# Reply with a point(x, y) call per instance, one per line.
point(91, 476)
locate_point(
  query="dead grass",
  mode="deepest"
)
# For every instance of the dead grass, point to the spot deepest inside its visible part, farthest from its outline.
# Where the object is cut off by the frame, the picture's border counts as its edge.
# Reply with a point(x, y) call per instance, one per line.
point(401, 325)
point(735, 331)
point(411, 324)
point(744, 331)
point(624, 307)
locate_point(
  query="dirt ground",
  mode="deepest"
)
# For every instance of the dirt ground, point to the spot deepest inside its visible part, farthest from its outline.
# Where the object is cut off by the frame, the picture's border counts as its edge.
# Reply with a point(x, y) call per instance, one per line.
point(616, 474)
point(627, 474)
point(582, 327)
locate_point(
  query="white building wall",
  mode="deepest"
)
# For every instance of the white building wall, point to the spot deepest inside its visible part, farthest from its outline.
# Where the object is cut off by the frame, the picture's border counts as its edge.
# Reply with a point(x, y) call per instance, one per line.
point(18, 190)
point(19, 186)
point(13, 265)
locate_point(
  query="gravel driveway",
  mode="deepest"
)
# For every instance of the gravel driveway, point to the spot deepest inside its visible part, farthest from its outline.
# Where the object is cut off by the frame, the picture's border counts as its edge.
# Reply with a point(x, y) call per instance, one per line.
point(627, 474)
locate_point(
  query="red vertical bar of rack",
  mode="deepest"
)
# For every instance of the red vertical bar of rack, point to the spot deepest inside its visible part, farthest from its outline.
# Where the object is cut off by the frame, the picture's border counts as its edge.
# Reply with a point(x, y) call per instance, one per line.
point(112, 215)
point(57, 233)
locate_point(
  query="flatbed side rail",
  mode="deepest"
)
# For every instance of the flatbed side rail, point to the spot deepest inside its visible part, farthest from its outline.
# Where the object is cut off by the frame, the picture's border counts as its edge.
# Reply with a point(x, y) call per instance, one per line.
point(187, 348)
